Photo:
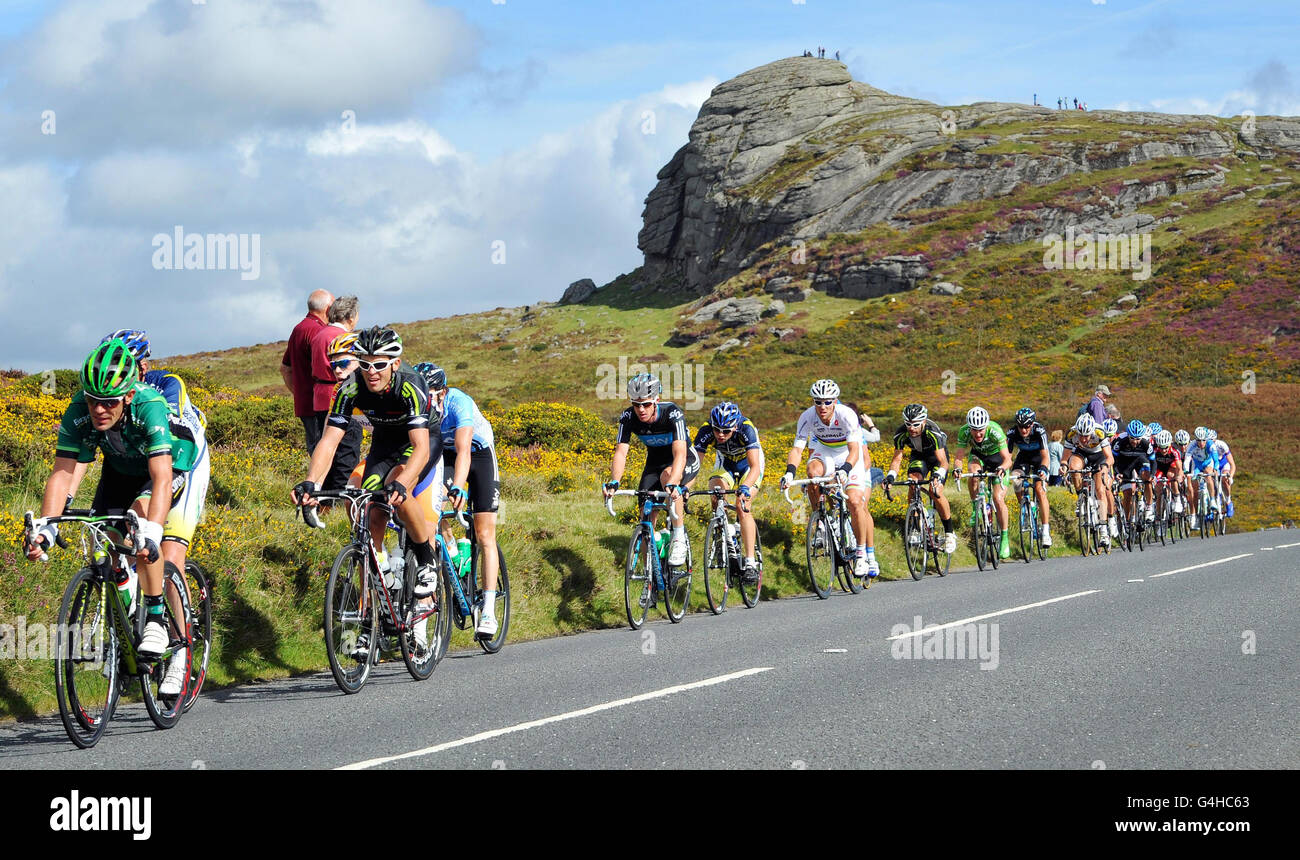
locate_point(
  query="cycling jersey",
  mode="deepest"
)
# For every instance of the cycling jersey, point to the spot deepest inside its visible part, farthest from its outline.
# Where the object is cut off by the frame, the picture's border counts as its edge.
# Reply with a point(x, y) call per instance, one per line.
point(401, 407)
point(172, 388)
point(1033, 444)
point(1221, 452)
point(924, 446)
point(1130, 446)
point(1199, 457)
point(735, 451)
point(1094, 443)
point(144, 431)
point(1165, 459)
point(667, 426)
point(460, 410)
point(988, 451)
point(842, 429)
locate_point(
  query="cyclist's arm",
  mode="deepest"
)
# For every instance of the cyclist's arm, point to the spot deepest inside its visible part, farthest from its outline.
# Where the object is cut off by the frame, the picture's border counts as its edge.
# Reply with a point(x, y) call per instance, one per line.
point(896, 463)
point(619, 463)
point(678, 468)
point(962, 454)
point(56, 488)
point(941, 454)
point(464, 441)
point(1110, 455)
point(160, 501)
point(78, 475)
point(419, 458)
point(754, 456)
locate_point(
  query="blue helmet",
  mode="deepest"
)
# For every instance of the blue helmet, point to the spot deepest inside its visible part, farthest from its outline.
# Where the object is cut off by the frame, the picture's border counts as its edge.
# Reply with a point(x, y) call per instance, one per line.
point(725, 416)
point(1154, 428)
point(434, 376)
point(1026, 417)
point(1136, 429)
point(135, 339)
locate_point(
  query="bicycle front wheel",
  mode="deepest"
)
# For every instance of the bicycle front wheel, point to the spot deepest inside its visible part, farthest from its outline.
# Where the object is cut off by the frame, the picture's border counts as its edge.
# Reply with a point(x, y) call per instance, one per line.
point(1026, 532)
point(638, 578)
point(165, 710)
point(86, 659)
point(914, 538)
point(500, 605)
point(749, 591)
point(351, 621)
point(847, 558)
point(677, 598)
point(821, 555)
point(200, 589)
point(716, 563)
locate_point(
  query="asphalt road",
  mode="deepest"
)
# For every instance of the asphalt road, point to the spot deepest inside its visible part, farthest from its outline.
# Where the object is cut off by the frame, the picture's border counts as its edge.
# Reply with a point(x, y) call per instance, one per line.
point(1179, 657)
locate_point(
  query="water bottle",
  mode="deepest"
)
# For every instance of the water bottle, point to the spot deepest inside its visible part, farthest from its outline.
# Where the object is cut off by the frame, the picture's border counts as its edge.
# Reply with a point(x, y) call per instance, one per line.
point(661, 543)
point(393, 577)
point(126, 579)
point(464, 554)
point(929, 519)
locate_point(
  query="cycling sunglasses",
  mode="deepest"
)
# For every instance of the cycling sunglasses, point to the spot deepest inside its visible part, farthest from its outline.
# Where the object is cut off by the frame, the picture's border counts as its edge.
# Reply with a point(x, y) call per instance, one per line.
point(340, 363)
point(105, 402)
point(643, 403)
point(374, 365)
point(824, 402)
point(717, 430)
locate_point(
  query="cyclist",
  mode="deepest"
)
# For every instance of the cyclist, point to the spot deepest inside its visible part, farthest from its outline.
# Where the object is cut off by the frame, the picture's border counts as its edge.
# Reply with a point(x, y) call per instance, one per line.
point(147, 461)
point(738, 463)
point(986, 444)
point(1088, 444)
point(1181, 440)
point(469, 461)
point(671, 461)
point(1169, 467)
point(396, 402)
point(1029, 438)
point(1227, 468)
point(832, 430)
point(927, 447)
point(1133, 456)
point(1200, 460)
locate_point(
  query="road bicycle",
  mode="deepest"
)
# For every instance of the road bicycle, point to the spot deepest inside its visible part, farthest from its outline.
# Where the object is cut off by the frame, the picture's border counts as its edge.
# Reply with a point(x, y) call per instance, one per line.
point(1165, 525)
point(1208, 520)
point(830, 542)
point(466, 589)
point(1031, 530)
point(1132, 530)
point(987, 538)
point(368, 609)
point(1087, 514)
point(97, 636)
point(921, 541)
point(723, 557)
point(647, 576)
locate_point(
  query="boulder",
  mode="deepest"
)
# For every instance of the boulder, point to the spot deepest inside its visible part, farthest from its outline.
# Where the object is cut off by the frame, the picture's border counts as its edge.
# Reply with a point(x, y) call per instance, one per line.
point(887, 275)
point(778, 283)
point(1112, 313)
point(1129, 299)
point(681, 338)
point(944, 288)
point(578, 292)
point(730, 344)
point(740, 313)
point(776, 308)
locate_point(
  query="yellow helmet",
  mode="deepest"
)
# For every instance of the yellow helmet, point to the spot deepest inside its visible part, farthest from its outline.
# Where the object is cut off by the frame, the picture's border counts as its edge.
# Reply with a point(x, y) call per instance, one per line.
point(344, 343)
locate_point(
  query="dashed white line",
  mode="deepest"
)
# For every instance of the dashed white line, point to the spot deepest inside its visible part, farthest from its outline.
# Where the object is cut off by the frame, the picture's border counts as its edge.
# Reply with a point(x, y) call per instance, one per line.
point(1287, 545)
point(934, 627)
point(835, 650)
point(1197, 566)
point(594, 709)
point(1137, 580)
point(1266, 549)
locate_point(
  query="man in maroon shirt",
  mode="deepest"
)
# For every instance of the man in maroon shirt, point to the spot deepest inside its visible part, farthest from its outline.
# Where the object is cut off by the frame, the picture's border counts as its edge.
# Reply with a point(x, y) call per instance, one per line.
point(342, 318)
point(296, 365)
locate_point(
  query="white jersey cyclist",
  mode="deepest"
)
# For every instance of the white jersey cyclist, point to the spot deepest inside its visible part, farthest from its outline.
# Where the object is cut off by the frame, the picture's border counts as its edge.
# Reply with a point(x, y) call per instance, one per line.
point(829, 442)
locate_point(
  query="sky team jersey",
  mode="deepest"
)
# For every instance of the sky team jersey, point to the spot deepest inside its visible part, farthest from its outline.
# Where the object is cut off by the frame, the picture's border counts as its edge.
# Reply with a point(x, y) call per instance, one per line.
point(1090, 444)
point(736, 449)
point(995, 442)
point(460, 410)
point(1128, 446)
point(667, 427)
point(403, 406)
point(842, 429)
point(145, 431)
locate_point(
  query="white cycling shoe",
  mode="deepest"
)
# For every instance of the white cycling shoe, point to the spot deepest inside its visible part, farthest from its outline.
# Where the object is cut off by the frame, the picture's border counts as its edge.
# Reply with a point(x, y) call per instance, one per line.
point(427, 583)
point(1047, 535)
point(677, 552)
point(950, 543)
point(154, 641)
point(487, 626)
point(175, 677)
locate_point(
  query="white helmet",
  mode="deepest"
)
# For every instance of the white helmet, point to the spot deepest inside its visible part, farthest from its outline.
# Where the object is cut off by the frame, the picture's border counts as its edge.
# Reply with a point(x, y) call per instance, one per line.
point(824, 389)
point(1182, 437)
point(977, 418)
point(643, 386)
point(1164, 439)
point(1201, 434)
point(1211, 435)
point(1086, 425)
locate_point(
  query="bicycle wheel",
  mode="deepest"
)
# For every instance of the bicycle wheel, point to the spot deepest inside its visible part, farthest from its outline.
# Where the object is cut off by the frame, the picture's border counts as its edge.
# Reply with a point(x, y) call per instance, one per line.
point(821, 555)
point(422, 658)
point(994, 543)
point(914, 538)
point(638, 578)
point(716, 561)
point(200, 630)
point(501, 605)
point(677, 599)
point(849, 582)
point(749, 592)
point(942, 559)
point(351, 620)
point(86, 659)
point(164, 711)
point(1026, 532)
point(981, 541)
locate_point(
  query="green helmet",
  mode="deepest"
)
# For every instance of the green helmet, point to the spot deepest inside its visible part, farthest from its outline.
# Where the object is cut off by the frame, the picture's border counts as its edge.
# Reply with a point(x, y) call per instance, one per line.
point(109, 371)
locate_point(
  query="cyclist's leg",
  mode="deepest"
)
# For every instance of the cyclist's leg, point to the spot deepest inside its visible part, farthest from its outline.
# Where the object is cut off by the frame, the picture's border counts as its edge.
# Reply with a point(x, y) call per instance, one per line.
point(485, 498)
point(817, 467)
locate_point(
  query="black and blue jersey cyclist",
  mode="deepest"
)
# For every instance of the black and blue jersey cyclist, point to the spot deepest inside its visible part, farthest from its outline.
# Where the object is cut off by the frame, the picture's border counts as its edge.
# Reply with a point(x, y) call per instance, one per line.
point(737, 464)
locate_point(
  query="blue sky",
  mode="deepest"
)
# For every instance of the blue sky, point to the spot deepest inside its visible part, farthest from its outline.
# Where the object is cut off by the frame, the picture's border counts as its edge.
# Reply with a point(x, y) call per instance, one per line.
point(475, 123)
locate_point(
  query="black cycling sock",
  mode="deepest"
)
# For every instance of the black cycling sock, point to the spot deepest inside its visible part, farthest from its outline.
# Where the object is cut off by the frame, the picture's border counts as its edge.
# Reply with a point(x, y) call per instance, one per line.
point(153, 606)
point(947, 524)
point(423, 553)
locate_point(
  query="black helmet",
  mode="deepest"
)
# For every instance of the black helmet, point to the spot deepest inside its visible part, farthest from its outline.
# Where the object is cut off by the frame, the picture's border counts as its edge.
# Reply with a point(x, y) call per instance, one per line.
point(1026, 417)
point(379, 341)
point(914, 413)
point(434, 375)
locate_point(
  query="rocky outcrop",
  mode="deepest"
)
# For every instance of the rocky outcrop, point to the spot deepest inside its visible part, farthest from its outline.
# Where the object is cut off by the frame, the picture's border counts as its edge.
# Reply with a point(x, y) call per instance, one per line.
point(881, 277)
point(797, 149)
point(578, 292)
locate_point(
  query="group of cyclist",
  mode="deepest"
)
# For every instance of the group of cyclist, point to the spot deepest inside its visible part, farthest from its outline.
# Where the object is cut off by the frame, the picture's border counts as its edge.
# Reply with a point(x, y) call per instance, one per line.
point(1139, 455)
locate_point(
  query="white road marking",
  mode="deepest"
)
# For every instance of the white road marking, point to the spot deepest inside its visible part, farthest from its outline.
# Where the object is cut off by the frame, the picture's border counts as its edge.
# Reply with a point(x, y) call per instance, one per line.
point(1197, 566)
point(1137, 580)
point(930, 628)
point(1287, 545)
point(1265, 549)
point(835, 651)
point(594, 709)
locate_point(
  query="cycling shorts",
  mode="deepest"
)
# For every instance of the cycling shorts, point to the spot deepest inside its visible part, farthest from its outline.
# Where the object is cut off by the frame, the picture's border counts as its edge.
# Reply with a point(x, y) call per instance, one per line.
point(117, 491)
point(1096, 459)
point(732, 474)
point(1029, 462)
point(923, 467)
point(833, 458)
point(387, 452)
point(484, 479)
point(655, 464)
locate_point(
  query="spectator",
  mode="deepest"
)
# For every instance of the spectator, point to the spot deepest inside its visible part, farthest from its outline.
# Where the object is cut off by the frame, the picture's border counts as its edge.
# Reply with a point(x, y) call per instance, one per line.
point(296, 365)
point(1058, 104)
point(1035, 99)
point(1097, 406)
point(837, 55)
point(1056, 451)
point(342, 318)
